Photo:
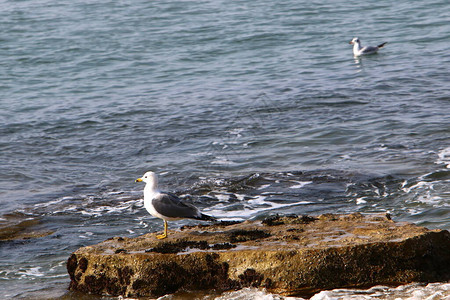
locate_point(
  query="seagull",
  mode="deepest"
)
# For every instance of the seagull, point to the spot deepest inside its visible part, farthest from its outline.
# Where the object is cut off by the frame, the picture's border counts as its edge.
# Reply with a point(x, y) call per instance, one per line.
point(359, 50)
point(167, 206)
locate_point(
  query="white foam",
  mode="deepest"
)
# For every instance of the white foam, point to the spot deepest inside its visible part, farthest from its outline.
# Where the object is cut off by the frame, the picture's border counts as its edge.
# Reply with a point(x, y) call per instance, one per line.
point(444, 157)
point(299, 184)
point(142, 223)
point(361, 200)
point(251, 207)
point(424, 192)
point(222, 197)
point(420, 184)
point(54, 202)
point(221, 160)
point(236, 132)
point(263, 186)
point(258, 200)
point(31, 272)
point(88, 209)
point(414, 291)
point(252, 293)
point(87, 235)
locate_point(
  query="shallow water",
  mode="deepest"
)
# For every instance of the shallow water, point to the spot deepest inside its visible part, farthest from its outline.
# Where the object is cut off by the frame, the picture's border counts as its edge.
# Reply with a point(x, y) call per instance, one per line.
point(246, 109)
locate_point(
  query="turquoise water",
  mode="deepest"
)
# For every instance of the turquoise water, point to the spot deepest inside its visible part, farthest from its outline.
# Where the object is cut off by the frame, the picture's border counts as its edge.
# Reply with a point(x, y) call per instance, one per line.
point(227, 101)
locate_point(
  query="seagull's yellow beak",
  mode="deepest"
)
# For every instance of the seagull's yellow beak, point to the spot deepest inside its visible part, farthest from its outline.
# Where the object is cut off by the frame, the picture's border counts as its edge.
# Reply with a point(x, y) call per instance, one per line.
point(138, 180)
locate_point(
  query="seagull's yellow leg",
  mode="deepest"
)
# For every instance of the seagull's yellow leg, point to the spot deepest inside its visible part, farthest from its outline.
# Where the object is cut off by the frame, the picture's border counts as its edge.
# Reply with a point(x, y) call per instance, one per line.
point(164, 235)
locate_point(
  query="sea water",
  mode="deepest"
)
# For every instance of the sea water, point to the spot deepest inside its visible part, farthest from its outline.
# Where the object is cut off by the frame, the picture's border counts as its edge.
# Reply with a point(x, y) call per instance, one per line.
point(244, 108)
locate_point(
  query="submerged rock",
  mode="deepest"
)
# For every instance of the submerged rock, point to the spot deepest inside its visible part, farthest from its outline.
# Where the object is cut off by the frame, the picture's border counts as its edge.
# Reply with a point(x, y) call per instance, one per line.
point(18, 226)
point(289, 255)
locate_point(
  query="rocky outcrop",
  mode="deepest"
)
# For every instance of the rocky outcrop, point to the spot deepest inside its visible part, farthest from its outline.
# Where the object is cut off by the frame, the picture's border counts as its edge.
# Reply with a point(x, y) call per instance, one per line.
point(289, 255)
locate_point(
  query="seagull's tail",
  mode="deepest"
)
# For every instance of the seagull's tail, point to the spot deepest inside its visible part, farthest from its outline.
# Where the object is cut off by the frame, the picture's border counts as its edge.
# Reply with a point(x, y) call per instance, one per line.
point(204, 217)
point(382, 45)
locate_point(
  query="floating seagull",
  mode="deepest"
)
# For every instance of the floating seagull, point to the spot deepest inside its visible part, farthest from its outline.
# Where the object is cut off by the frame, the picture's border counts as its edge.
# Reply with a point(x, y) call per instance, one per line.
point(359, 50)
point(167, 206)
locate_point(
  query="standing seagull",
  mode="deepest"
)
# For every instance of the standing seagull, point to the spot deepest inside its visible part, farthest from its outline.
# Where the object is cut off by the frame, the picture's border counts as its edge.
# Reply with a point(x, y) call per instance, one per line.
point(167, 206)
point(359, 50)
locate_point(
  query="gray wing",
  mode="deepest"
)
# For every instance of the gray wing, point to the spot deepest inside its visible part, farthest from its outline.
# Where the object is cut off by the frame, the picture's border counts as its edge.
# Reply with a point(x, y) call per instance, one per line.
point(369, 49)
point(171, 206)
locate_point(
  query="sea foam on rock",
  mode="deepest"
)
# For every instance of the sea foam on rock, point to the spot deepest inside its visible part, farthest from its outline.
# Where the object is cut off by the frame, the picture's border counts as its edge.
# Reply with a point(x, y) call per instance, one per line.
point(288, 255)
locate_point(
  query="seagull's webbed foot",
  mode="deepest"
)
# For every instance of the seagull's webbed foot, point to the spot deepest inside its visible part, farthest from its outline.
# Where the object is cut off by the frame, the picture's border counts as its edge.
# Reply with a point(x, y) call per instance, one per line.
point(161, 236)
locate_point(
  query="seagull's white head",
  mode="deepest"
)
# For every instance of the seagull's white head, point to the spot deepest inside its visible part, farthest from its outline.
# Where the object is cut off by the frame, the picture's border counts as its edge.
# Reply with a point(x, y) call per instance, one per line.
point(150, 179)
point(354, 41)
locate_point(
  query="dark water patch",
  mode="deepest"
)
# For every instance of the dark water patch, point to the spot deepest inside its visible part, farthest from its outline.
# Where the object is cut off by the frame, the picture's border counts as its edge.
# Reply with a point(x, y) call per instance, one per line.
point(438, 175)
point(252, 181)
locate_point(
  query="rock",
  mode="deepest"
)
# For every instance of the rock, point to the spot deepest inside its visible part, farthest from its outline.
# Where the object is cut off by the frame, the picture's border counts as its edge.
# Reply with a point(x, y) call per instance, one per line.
point(287, 255)
point(18, 226)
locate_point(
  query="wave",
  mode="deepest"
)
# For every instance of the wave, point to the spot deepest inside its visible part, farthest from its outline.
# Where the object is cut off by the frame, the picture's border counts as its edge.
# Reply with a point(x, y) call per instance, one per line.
point(415, 291)
point(252, 196)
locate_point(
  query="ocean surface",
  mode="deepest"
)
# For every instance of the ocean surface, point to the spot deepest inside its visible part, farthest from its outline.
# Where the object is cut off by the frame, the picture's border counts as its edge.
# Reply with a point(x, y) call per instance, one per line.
point(245, 108)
